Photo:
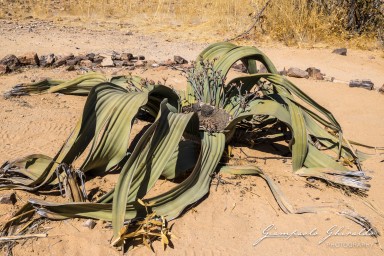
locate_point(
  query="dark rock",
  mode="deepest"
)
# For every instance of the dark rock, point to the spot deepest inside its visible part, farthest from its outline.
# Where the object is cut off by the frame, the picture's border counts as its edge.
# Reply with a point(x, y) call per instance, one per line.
point(86, 63)
point(80, 58)
point(8, 199)
point(315, 73)
point(4, 69)
point(240, 67)
point(296, 72)
point(98, 59)
point(47, 60)
point(196, 107)
point(340, 51)
point(62, 60)
point(179, 60)
point(118, 63)
point(115, 56)
point(126, 56)
point(90, 56)
point(366, 84)
point(381, 90)
point(11, 61)
point(72, 62)
point(89, 224)
point(29, 58)
point(140, 57)
point(127, 63)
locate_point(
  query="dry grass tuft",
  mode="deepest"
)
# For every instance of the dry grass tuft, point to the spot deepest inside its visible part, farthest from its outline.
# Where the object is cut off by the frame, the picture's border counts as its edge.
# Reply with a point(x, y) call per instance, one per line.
point(293, 22)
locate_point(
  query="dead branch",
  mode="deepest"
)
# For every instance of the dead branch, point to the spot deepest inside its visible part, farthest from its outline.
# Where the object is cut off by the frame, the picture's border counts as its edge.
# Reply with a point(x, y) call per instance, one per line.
point(12, 238)
point(257, 18)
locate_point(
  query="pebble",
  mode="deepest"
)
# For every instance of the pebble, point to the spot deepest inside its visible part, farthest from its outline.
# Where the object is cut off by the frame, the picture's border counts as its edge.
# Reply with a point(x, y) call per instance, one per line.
point(8, 199)
point(340, 51)
point(296, 72)
point(179, 60)
point(89, 224)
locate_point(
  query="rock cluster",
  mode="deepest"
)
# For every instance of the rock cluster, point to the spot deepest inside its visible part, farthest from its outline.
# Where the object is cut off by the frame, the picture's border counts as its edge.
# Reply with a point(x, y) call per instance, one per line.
point(12, 63)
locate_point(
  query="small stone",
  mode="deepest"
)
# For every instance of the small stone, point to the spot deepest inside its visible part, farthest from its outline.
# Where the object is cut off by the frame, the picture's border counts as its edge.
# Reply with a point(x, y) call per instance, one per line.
point(179, 60)
point(86, 63)
point(140, 63)
point(263, 69)
point(107, 62)
point(90, 56)
point(340, 51)
point(381, 90)
point(296, 72)
point(140, 57)
point(98, 59)
point(8, 199)
point(365, 83)
point(315, 73)
point(72, 62)
point(62, 60)
point(116, 56)
point(311, 180)
point(126, 56)
point(47, 60)
point(239, 67)
point(118, 63)
point(80, 58)
point(155, 65)
point(89, 224)
point(127, 63)
point(4, 69)
point(29, 58)
point(11, 61)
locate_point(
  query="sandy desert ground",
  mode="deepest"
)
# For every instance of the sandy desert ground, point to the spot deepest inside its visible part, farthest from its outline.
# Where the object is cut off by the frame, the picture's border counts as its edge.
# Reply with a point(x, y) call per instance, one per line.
point(232, 218)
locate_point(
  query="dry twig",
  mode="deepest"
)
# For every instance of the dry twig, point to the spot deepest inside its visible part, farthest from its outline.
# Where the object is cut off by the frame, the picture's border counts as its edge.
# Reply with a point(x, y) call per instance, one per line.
point(257, 18)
